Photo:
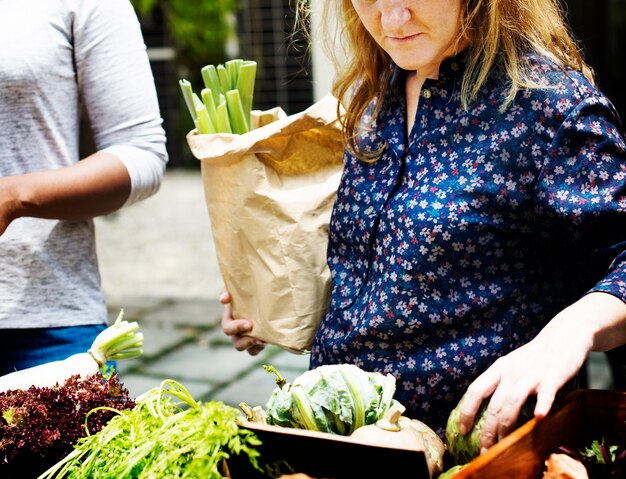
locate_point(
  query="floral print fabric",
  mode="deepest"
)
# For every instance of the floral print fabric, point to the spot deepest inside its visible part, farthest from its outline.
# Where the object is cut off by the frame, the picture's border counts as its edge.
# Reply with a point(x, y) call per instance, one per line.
point(463, 239)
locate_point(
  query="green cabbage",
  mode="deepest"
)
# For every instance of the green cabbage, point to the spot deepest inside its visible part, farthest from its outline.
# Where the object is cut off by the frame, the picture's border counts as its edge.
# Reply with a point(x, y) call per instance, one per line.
point(463, 448)
point(334, 398)
point(453, 471)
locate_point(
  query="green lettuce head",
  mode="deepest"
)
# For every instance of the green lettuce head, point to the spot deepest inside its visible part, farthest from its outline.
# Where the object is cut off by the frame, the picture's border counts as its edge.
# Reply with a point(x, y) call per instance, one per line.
point(334, 398)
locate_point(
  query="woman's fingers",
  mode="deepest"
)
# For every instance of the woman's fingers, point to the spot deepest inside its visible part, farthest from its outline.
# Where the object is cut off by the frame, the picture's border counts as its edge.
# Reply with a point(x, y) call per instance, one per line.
point(482, 387)
point(224, 296)
point(232, 326)
point(256, 348)
point(238, 329)
point(507, 394)
point(545, 399)
point(502, 413)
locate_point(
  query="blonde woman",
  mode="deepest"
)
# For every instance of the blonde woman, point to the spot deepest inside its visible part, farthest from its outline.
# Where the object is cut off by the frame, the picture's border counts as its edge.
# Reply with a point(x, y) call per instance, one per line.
point(478, 241)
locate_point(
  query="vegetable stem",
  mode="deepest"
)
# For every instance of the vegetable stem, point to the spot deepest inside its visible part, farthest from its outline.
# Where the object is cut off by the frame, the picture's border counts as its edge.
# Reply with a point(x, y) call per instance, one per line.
point(302, 403)
point(235, 112)
point(233, 66)
point(211, 81)
point(224, 77)
point(209, 101)
point(359, 408)
point(121, 340)
point(187, 90)
point(227, 97)
point(204, 120)
point(223, 122)
point(280, 381)
point(245, 85)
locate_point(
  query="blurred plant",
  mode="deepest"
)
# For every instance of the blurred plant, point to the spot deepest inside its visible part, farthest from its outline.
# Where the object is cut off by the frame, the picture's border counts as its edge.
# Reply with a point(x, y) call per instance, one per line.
point(201, 30)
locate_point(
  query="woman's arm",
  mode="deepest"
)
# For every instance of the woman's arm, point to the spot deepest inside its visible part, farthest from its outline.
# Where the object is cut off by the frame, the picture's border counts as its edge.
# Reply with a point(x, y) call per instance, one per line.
point(95, 186)
point(596, 322)
point(591, 150)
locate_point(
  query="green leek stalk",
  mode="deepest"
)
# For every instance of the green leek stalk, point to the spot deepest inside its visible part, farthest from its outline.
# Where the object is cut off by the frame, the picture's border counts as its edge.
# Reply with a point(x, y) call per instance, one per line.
point(236, 115)
point(233, 66)
point(245, 85)
point(185, 86)
point(223, 122)
point(204, 124)
point(201, 127)
point(207, 98)
point(224, 77)
point(211, 81)
point(226, 99)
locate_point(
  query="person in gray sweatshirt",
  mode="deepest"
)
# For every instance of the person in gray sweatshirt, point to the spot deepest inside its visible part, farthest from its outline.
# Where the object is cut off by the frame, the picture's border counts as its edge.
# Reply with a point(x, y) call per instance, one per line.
point(59, 58)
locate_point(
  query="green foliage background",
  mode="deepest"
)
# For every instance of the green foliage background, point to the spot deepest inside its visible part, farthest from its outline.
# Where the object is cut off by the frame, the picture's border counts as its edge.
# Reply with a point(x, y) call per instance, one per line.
point(200, 29)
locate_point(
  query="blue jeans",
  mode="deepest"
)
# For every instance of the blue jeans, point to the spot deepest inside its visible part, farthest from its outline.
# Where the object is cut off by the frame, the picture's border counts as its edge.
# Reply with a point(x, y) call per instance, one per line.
point(24, 348)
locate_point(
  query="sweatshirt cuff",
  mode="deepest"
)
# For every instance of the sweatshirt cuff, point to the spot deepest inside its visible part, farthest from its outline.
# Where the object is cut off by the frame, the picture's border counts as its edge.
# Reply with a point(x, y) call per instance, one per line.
point(145, 169)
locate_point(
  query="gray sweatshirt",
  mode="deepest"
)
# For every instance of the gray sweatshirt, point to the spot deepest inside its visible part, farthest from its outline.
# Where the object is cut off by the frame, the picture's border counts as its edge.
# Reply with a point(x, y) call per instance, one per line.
point(54, 56)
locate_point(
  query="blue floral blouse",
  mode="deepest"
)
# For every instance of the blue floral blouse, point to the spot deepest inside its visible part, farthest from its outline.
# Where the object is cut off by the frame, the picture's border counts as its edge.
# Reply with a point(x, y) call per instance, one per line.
point(463, 239)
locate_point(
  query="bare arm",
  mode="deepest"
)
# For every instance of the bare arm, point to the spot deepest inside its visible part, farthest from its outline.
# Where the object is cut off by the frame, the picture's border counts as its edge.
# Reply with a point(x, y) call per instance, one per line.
point(95, 186)
point(596, 322)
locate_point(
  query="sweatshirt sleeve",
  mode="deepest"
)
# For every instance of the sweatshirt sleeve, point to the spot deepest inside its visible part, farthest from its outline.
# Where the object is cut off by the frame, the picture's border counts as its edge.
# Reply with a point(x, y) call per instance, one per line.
point(118, 91)
point(583, 186)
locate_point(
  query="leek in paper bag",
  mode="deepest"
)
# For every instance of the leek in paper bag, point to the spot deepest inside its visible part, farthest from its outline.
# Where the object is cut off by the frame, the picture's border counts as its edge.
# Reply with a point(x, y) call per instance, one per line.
point(269, 194)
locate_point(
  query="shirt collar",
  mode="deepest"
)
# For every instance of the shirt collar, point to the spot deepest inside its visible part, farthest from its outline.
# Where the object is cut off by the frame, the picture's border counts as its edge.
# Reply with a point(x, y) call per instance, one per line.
point(450, 70)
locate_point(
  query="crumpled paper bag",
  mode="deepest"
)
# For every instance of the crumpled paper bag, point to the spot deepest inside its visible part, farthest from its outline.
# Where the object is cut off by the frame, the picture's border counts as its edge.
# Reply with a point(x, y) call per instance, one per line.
point(269, 194)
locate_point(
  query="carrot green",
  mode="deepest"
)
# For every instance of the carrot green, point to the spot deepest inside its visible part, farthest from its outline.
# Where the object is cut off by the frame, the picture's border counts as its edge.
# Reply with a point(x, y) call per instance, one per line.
point(167, 434)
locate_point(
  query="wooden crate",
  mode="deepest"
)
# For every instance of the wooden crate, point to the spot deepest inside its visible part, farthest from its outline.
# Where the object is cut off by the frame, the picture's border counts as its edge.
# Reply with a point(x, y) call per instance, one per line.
point(323, 455)
point(583, 416)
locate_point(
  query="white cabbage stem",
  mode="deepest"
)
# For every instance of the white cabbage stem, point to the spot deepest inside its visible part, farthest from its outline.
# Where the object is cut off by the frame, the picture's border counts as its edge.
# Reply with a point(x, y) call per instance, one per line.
point(121, 340)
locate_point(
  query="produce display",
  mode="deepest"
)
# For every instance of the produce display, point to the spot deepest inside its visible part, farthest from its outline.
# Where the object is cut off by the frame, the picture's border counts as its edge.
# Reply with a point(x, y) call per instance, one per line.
point(43, 409)
point(225, 102)
point(353, 412)
point(167, 434)
point(59, 421)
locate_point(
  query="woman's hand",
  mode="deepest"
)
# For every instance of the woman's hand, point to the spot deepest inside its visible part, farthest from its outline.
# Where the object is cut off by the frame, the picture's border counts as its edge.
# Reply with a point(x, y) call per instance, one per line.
point(544, 365)
point(236, 329)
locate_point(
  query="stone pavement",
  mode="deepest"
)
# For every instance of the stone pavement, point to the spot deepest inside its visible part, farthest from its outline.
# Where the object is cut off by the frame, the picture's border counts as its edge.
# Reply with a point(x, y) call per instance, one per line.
point(158, 264)
point(183, 341)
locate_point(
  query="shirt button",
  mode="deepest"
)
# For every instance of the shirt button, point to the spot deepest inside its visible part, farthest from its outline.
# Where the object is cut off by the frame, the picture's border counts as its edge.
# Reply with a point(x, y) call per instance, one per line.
point(426, 93)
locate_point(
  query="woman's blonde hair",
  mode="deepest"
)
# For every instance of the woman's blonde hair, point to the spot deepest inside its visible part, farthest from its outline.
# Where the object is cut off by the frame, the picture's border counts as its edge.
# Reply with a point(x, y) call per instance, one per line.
point(500, 33)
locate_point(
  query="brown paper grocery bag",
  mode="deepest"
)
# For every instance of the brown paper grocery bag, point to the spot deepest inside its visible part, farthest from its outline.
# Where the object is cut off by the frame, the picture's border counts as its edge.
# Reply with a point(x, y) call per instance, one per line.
point(269, 194)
